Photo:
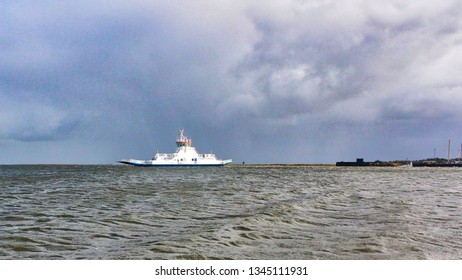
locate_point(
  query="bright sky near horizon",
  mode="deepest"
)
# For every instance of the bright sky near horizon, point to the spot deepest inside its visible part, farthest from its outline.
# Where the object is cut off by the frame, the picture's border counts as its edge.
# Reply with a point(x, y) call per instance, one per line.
point(284, 81)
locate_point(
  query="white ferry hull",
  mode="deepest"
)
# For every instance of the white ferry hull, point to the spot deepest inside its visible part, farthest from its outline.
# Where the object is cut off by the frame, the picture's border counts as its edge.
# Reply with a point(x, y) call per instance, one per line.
point(150, 163)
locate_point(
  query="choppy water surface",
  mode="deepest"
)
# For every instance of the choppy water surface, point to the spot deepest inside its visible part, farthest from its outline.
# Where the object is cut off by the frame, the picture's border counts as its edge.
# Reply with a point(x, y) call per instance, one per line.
point(122, 212)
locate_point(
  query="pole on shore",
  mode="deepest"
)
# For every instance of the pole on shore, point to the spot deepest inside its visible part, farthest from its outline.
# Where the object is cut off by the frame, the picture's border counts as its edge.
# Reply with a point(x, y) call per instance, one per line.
point(449, 149)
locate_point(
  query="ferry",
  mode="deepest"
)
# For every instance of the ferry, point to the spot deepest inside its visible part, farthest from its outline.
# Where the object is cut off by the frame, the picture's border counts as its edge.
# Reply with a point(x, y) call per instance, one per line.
point(185, 155)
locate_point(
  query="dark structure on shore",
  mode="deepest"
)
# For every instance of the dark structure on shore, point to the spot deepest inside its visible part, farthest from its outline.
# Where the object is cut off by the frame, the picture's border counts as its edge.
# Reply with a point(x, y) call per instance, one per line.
point(360, 162)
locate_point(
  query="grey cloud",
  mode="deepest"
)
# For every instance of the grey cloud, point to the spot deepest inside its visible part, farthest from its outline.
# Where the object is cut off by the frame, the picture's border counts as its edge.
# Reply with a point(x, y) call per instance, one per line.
point(31, 122)
point(355, 60)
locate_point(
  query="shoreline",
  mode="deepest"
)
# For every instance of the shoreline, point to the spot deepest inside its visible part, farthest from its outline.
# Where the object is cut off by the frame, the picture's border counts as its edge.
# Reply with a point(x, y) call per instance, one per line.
point(267, 165)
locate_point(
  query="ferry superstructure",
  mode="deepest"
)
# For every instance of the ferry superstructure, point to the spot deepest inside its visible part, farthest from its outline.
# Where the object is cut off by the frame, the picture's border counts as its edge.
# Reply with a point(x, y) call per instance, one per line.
point(185, 155)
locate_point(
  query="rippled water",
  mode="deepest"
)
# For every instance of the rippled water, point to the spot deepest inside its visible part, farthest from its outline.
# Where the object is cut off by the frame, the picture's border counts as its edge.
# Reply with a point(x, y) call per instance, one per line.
point(123, 212)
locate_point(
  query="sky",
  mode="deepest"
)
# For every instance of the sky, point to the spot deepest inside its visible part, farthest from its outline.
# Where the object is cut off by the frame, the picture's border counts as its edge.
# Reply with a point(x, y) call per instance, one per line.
point(274, 81)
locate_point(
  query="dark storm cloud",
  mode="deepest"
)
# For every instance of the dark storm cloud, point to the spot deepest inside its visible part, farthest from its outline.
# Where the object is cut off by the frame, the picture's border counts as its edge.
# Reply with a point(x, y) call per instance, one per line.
point(32, 122)
point(260, 81)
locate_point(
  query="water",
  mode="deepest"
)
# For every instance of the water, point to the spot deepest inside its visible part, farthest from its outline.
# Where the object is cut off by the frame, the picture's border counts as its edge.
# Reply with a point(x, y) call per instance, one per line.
point(123, 212)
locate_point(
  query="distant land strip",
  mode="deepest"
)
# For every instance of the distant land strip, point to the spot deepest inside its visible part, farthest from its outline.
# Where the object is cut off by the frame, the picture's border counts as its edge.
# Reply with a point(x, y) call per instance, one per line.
point(266, 165)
